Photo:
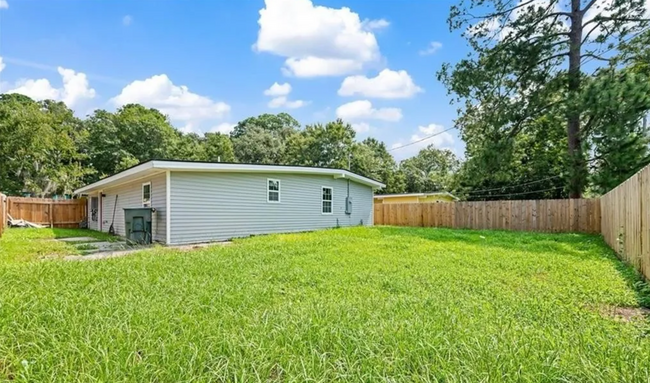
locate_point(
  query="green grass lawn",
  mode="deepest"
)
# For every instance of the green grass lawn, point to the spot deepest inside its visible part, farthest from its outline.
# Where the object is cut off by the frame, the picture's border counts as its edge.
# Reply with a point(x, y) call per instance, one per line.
point(358, 304)
point(32, 244)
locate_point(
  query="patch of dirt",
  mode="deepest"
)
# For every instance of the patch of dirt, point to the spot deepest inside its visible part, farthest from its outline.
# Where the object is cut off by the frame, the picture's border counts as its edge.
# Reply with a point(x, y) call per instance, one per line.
point(6, 371)
point(625, 314)
point(275, 375)
point(199, 246)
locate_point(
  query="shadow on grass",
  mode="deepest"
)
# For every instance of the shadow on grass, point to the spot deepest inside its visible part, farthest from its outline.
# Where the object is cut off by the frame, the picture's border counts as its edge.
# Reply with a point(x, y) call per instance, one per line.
point(575, 245)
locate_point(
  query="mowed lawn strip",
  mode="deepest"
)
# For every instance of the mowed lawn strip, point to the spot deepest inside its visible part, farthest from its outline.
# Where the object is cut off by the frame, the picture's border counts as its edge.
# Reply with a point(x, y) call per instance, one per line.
point(354, 304)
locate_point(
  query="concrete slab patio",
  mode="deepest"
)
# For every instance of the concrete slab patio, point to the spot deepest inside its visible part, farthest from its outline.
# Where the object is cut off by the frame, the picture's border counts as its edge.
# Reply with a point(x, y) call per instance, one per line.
point(104, 250)
point(77, 239)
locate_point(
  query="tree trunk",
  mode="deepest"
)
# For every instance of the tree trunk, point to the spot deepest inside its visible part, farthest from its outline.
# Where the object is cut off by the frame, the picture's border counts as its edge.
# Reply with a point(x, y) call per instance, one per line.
point(577, 163)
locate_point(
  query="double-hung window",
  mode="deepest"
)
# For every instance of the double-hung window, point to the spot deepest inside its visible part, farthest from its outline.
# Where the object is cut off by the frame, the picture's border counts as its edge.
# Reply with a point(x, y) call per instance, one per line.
point(273, 190)
point(327, 200)
point(146, 194)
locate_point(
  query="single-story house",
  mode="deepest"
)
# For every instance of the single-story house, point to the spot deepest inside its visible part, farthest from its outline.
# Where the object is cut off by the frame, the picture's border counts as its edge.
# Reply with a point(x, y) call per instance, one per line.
point(198, 202)
point(415, 198)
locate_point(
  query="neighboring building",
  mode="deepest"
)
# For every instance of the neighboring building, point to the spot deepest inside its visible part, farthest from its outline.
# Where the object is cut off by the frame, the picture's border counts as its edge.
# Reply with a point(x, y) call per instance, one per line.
point(414, 198)
point(198, 202)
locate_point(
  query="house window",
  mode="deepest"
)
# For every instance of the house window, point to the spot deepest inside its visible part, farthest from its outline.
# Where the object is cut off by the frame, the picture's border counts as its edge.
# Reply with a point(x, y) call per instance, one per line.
point(328, 195)
point(273, 189)
point(146, 194)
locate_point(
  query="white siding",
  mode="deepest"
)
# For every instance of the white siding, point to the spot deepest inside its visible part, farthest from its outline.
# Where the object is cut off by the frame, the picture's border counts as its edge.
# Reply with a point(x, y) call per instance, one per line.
point(217, 206)
point(130, 195)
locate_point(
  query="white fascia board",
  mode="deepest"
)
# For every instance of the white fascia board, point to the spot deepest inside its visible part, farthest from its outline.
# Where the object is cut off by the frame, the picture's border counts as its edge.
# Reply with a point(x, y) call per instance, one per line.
point(115, 178)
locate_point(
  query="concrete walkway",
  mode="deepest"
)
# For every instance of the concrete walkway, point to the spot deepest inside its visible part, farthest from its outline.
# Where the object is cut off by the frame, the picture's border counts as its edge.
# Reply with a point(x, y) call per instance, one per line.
point(106, 250)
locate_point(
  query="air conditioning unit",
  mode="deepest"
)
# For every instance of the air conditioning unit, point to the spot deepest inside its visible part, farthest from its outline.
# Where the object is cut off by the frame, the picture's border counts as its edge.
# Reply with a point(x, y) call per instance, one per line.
point(137, 224)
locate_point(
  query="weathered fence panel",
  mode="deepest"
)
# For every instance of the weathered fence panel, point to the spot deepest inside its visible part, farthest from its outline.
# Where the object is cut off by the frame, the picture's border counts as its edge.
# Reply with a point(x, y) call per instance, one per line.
point(3, 213)
point(49, 212)
point(626, 220)
point(580, 215)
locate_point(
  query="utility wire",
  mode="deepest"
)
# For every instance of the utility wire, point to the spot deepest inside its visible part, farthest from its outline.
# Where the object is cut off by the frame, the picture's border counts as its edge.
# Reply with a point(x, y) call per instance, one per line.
point(512, 186)
point(422, 139)
point(522, 193)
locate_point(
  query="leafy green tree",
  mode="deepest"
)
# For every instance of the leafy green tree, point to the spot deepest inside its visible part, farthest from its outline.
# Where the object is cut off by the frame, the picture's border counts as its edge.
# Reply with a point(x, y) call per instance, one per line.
point(526, 52)
point(62, 171)
point(263, 139)
point(530, 165)
point(24, 136)
point(146, 133)
point(131, 135)
point(218, 148)
point(39, 147)
point(328, 145)
point(619, 99)
point(431, 170)
point(190, 147)
point(371, 159)
point(280, 123)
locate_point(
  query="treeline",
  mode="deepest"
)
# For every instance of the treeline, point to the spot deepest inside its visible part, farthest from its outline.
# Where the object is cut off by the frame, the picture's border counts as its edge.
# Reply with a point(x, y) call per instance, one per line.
point(46, 150)
point(532, 129)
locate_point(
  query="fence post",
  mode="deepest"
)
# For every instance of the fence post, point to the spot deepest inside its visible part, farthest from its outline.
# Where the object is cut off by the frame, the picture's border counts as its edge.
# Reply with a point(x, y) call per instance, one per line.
point(51, 214)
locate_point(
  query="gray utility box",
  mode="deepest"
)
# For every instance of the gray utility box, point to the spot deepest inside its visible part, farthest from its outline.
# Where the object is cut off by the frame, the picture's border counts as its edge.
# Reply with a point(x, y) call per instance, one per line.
point(348, 205)
point(137, 224)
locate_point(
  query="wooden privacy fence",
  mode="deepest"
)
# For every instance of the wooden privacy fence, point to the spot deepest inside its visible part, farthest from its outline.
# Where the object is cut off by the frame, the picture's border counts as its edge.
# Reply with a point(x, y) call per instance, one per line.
point(3, 213)
point(626, 220)
point(49, 212)
point(571, 215)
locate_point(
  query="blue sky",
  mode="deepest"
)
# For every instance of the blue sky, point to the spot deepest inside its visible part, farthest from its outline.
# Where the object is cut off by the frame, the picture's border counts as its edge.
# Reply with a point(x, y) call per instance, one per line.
point(208, 64)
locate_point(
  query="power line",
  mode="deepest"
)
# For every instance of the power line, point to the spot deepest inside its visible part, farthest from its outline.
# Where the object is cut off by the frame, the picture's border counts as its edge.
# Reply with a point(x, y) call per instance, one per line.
point(512, 186)
point(420, 140)
point(522, 193)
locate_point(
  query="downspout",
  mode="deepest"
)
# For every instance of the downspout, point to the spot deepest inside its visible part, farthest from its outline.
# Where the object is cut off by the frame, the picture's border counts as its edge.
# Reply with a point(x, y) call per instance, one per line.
point(168, 208)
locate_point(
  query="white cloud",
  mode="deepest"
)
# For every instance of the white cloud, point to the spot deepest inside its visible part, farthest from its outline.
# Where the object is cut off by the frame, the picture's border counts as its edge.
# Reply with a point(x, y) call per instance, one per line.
point(316, 40)
point(223, 128)
point(283, 102)
point(419, 141)
point(280, 93)
point(75, 88)
point(2, 64)
point(361, 127)
point(277, 90)
point(175, 101)
point(432, 48)
point(39, 89)
point(127, 20)
point(375, 24)
point(315, 66)
point(388, 84)
point(4, 4)
point(363, 110)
